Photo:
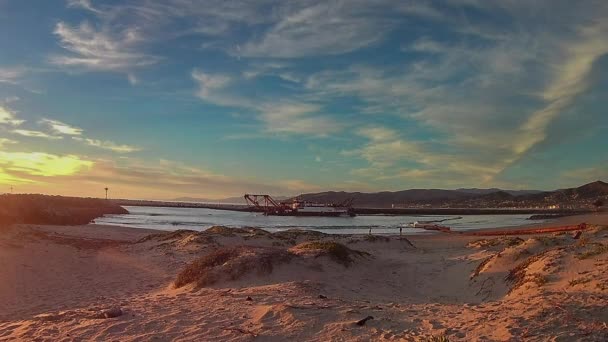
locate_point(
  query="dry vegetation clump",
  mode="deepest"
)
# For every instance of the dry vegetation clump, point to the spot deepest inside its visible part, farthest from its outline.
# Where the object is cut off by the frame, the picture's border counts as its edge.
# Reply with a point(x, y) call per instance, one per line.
point(164, 236)
point(518, 275)
point(294, 234)
point(521, 254)
point(336, 251)
point(577, 281)
point(481, 265)
point(582, 242)
point(599, 229)
point(593, 250)
point(501, 241)
point(291, 236)
point(539, 279)
point(231, 263)
point(434, 338)
point(548, 241)
point(180, 237)
point(372, 238)
point(376, 238)
point(229, 232)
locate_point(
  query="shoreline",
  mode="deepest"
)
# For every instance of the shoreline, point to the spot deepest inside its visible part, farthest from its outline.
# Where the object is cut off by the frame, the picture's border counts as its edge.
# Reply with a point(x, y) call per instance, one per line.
point(600, 218)
point(362, 210)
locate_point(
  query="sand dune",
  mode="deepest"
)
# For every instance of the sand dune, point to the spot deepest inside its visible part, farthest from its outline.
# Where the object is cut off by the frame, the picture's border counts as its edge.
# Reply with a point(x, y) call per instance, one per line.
point(68, 283)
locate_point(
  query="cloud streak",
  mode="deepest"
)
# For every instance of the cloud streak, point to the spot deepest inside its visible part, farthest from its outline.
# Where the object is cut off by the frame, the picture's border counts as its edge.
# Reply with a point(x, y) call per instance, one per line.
point(108, 145)
point(35, 134)
point(7, 117)
point(488, 101)
point(21, 164)
point(302, 31)
point(569, 80)
point(278, 117)
point(11, 75)
point(61, 128)
point(56, 130)
point(91, 49)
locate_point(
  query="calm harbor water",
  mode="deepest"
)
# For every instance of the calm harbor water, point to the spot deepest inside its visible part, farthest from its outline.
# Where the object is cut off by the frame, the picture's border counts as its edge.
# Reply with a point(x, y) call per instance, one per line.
point(201, 219)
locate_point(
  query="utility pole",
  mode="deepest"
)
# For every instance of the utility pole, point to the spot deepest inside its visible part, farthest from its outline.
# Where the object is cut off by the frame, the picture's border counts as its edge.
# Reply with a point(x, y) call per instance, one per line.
point(106, 192)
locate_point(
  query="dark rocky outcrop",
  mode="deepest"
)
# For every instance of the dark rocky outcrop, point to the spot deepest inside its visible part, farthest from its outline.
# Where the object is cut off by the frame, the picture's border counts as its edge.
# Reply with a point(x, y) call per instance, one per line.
point(54, 210)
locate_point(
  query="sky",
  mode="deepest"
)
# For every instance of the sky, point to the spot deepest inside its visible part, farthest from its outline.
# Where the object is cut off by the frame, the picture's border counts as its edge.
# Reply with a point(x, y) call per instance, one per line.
point(215, 98)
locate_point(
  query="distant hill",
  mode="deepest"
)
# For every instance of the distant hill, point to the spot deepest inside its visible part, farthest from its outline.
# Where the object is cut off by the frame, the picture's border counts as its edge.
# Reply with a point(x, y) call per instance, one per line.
point(582, 196)
point(584, 193)
point(492, 190)
point(386, 199)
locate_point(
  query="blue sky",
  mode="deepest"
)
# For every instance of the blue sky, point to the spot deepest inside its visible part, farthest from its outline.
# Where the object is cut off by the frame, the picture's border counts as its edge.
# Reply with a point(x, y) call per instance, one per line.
point(160, 99)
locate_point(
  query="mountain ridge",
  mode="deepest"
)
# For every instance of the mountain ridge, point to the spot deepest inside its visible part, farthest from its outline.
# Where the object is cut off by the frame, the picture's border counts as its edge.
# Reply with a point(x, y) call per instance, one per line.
point(583, 195)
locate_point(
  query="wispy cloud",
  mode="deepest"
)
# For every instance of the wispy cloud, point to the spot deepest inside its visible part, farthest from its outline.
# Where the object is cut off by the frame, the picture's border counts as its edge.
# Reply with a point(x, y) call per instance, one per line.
point(35, 134)
point(462, 93)
point(461, 90)
point(101, 50)
point(57, 130)
point(61, 128)
point(7, 117)
point(5, 142)
point(386, 149)
point(378, 133)
point(298, 118)
point(20, 165)
point(84, 4)
point(108, 145)
point(10, 99)
point(279, 117)
point(11, 75)
point(209, 84)
point(569, 79)
point(288, 30)
point(303, 30)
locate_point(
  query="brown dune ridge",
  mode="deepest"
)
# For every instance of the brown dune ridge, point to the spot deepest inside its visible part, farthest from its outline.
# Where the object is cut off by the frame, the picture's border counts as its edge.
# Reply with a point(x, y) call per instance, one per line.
point(54, 210)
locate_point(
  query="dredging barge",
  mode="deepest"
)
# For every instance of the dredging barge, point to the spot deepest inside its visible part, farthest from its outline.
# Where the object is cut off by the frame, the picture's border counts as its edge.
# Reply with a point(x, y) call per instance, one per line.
point(270, 207)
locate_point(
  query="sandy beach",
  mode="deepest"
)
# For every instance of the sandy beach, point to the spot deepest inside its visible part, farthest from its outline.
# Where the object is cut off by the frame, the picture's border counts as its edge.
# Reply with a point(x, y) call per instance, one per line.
point(65, 283)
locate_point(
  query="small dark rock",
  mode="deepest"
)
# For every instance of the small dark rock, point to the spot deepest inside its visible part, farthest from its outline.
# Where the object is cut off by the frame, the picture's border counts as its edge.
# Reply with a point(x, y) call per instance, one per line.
point(249, 299)
point(322, 296)
point(110, 313)
point(363, 321)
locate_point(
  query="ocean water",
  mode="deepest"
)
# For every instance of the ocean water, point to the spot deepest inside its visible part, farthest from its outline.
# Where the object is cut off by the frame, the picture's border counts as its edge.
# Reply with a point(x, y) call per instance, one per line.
point(201, 219)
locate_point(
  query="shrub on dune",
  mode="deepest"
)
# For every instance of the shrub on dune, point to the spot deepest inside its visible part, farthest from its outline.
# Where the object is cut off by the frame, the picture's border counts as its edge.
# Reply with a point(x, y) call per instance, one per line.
point(228, 231)
point(596, 249)
point(336, 251)
point(164, 236)
point(231, 263)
